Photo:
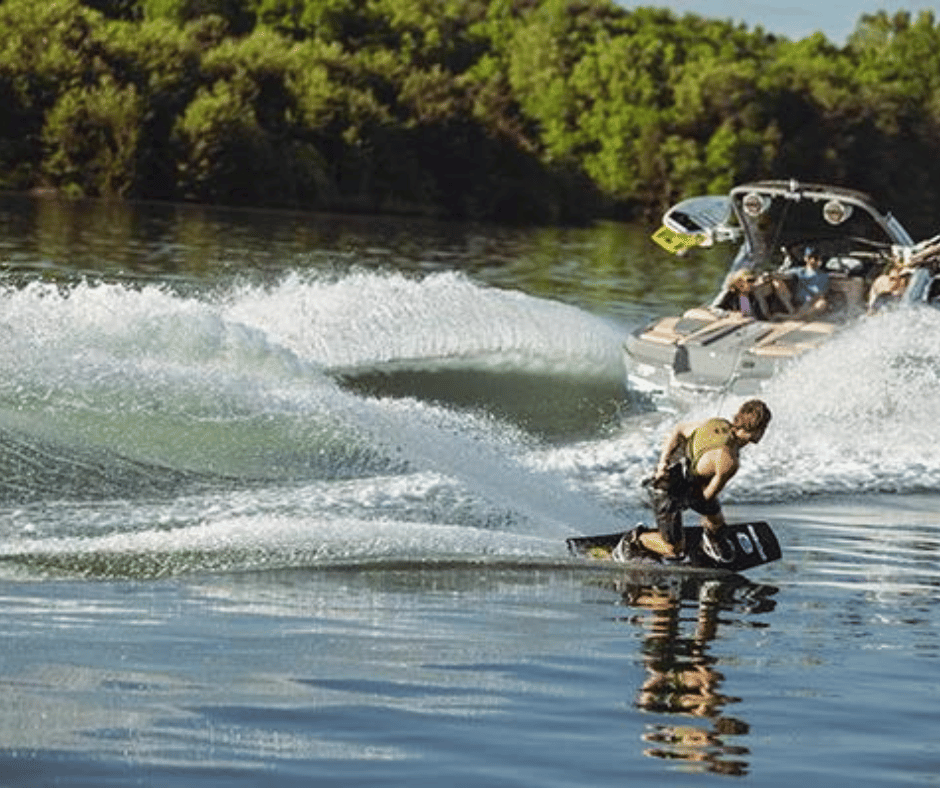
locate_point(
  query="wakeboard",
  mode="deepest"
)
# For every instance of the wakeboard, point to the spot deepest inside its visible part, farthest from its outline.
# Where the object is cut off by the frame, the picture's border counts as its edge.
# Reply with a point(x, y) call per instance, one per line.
point(745, 545)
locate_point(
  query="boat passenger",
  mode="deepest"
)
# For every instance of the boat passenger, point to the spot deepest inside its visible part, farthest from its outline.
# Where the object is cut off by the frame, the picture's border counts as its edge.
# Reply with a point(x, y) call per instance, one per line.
point(811, 285)
point(888, 287)
point(740, 296)
point(763, 297)
point(696, 461)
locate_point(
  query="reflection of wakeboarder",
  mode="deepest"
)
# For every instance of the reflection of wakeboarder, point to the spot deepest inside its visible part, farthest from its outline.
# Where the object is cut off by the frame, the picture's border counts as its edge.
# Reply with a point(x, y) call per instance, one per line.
point(681, 675)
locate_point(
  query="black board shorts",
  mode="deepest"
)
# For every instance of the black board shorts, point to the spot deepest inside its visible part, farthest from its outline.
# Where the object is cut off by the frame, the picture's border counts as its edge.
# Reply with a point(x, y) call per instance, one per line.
point(673, 493)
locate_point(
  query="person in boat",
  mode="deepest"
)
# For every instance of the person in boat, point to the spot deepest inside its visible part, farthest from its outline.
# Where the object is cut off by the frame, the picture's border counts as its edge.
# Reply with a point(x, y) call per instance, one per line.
point(763, 297)
point(697, 460)
point(811, 285)
point(888, 287)
point(741, 296)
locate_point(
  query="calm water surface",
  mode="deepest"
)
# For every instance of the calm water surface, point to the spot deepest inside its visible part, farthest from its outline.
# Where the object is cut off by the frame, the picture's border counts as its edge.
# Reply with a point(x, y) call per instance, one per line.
point(283, 500)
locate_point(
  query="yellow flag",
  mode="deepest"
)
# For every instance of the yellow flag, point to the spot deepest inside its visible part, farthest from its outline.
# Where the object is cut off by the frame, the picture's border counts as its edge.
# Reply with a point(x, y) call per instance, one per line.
point(674, 242)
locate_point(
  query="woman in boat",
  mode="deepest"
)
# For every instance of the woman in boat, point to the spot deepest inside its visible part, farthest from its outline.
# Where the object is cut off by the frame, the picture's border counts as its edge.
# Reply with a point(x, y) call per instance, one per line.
point(763, 297)
point(740, 296)
point(888, 287)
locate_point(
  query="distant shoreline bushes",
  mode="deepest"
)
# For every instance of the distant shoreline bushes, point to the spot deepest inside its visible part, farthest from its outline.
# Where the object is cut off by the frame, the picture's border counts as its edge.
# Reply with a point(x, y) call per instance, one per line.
point(508, 110)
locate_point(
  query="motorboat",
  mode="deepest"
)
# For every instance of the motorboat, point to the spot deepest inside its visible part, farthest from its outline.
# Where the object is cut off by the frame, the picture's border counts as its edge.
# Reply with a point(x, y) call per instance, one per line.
point(720, 347)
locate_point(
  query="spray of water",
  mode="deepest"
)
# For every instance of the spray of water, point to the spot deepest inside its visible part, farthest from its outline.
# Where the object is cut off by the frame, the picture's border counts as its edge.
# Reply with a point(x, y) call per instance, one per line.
point(233, 391)
point(215, 422)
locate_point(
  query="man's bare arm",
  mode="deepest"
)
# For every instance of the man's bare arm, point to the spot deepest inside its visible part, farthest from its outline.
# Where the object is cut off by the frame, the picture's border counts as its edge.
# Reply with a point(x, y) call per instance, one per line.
point(679, 435)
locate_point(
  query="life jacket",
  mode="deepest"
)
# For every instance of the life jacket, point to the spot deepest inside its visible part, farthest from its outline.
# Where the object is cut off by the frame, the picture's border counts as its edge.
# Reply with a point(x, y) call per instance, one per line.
point(713, 434)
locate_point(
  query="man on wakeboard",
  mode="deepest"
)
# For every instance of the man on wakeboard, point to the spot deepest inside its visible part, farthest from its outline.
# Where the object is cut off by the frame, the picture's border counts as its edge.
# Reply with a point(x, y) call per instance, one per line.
point(697, 461)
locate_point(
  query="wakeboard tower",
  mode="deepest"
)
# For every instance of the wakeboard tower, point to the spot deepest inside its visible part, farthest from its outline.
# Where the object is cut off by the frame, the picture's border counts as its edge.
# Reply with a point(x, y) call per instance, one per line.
point(745, 545)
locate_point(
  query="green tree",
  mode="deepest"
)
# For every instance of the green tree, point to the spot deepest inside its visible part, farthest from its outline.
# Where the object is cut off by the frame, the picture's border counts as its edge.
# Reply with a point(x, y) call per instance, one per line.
point(126, 10)
point(46, 49)
point(222, 149)
point(896, 112)
point(348, 22)
point(91, 134)
point(238, 14)
point(260, 129)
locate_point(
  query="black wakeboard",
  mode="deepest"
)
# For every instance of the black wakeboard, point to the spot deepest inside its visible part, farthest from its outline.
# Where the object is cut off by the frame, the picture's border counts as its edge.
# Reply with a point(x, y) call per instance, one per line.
point(747, 545)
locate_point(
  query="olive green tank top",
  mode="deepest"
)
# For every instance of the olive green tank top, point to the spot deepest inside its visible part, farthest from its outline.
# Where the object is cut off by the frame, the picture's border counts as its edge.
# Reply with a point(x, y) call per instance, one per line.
point(713, 434)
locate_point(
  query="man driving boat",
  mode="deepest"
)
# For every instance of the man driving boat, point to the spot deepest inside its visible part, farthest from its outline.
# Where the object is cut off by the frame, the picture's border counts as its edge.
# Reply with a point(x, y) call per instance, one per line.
point(811, 285)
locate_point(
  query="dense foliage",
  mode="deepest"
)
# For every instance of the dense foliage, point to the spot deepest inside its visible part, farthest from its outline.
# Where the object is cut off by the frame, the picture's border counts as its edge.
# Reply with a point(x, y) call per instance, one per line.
point(519, 110)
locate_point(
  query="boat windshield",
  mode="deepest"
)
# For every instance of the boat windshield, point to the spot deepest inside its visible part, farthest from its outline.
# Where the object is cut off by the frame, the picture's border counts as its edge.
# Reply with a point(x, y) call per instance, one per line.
point(778, 225)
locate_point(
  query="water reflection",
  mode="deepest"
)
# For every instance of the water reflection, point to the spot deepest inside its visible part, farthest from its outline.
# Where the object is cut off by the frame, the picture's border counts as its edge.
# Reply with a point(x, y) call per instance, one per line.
point(612, 268)
point(681, 618)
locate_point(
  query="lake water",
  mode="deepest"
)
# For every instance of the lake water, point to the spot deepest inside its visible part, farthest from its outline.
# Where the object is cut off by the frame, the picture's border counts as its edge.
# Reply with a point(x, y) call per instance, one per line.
point(283, 501)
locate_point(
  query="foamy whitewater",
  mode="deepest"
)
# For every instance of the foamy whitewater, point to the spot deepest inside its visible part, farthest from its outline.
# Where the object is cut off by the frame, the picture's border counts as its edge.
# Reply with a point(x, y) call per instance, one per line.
point(225, 407)
point(220, 429)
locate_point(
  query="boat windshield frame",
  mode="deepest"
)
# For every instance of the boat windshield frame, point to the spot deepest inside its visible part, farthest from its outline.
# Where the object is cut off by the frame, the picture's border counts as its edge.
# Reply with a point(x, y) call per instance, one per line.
point(781, 218)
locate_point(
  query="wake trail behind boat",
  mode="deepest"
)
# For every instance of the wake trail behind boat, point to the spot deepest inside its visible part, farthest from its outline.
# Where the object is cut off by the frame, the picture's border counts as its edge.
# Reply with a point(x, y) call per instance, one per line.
point(128, 398)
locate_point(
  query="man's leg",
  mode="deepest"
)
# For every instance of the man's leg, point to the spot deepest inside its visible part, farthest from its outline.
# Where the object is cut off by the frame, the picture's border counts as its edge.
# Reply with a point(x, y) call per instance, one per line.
point(669, 539)
point(713, 541)
point(654, 541)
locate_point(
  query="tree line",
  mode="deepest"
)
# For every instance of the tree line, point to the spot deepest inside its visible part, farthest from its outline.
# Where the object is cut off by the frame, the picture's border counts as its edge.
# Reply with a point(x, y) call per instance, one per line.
point(509, 110)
